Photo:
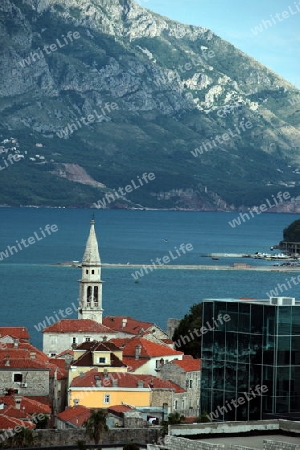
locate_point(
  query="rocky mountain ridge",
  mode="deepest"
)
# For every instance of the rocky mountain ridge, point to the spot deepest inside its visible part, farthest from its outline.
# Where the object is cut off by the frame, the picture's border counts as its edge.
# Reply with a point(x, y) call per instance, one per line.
point(115, 90)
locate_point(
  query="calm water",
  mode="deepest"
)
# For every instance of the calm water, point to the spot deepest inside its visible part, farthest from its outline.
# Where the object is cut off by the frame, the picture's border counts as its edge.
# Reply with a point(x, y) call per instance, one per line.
point(31, 288)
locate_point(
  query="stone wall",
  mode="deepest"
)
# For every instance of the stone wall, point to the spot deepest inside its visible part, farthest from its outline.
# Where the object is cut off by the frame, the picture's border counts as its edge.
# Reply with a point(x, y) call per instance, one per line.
point(161, 396)
point(277, 445)
point(44, 438)
point(37, 381)
point(226, 427)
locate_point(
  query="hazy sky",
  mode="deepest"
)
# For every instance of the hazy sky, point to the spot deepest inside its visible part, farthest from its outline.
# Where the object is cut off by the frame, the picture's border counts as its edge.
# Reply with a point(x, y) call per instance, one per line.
point(277, 46)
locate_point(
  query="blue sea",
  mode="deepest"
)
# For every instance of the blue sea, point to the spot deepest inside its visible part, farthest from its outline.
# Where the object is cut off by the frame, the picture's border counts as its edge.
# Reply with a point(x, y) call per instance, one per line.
point(33, 287)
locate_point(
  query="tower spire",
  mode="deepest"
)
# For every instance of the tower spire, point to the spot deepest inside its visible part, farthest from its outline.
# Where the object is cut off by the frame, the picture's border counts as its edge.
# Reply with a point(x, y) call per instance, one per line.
point(90, 292)
point(91, 255)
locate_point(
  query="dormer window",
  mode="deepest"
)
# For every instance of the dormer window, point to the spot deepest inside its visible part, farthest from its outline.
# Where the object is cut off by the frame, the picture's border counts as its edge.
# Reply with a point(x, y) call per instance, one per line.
point(101, 360)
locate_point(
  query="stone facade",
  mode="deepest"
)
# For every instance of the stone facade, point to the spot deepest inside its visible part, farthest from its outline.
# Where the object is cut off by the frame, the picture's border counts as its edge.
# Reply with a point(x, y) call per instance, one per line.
point(34, 382)
point(186, 403)
point(162, 397)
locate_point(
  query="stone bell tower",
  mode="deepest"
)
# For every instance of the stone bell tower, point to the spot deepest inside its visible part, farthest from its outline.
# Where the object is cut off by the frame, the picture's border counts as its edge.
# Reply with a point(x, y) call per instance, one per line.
point(90, 290)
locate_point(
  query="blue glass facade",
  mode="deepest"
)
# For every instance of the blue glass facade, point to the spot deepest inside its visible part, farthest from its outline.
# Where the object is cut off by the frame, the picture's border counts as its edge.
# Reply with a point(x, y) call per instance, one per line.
point(251, 363)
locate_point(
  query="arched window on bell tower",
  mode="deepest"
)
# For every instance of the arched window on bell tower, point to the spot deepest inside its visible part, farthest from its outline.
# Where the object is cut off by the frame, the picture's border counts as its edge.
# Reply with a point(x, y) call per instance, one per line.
point(89, 294)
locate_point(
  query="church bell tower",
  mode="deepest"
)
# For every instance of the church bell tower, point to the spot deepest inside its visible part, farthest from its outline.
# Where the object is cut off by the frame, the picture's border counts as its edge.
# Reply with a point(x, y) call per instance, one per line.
point(90, 290)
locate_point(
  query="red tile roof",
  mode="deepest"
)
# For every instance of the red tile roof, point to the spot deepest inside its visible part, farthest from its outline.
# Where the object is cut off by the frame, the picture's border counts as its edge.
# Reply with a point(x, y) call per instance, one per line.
point(28, 404)
point(9, 363)
point(78, 326)
point(10, 422)
point(75, 415)
point(15, 332)
point(159, 383)
point(119, 409)
point(12, 411)
point(44, 399)
point(132, 326)
point(148, 349)
point(65, 352)
point(189, 365)
point(125, 380)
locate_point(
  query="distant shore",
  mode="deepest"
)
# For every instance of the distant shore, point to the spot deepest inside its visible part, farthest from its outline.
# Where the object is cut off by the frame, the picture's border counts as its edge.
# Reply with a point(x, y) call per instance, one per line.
point(235, 267)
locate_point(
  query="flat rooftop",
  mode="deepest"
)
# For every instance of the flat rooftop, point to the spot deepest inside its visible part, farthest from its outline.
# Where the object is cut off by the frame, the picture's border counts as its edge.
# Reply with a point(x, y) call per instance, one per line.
point(280, 301)
point(255, 442)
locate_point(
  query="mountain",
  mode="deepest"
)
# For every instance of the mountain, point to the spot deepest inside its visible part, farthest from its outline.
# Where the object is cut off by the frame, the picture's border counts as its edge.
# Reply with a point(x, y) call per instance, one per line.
point(96, 93)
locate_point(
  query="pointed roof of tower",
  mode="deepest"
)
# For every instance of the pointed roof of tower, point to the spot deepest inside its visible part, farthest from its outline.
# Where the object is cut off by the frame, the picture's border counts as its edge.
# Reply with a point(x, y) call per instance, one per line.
point(91, 255)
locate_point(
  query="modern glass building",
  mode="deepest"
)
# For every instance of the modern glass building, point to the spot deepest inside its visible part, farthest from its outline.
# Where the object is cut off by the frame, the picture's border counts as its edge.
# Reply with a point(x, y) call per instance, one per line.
point(251, 362)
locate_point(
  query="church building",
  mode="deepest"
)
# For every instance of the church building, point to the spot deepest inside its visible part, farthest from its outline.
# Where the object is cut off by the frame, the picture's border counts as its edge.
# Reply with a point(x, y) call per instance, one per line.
point(68, 333)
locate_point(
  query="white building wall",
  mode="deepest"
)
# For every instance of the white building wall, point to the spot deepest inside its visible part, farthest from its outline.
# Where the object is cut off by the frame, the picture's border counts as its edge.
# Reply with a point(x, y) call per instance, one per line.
point(55, 343)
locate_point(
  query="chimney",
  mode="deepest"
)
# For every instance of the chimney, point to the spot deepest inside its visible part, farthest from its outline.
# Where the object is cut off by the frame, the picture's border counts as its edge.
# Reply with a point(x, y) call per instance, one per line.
point(32, 355)
point(104, 339)
point(76, 401)
point(114, 382)
point(18, 399)
point(138, 349)
point(140, 384)
point(98, 381)
point(124, 322)
point(16, 343)
point(6, 361)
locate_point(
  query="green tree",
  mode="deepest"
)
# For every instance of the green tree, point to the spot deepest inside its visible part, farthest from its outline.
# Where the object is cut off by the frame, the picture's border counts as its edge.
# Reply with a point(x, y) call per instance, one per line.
point(175, 418)
point(185, 338)
point(292, 232)
point(23, 438)
point(96, 424)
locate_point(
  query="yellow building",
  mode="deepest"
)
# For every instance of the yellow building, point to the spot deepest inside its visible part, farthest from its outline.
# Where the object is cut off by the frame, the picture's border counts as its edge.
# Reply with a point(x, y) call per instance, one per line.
point(95, 389)
point(103, 356)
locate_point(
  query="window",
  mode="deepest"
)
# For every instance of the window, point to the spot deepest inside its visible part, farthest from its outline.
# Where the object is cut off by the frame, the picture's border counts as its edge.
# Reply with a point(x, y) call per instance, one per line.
point(106, 399)
point(176, 404)
point(102, 360)
point(18, 378)
point(191, 383)
point(52, 355)
point(74, 340)
point(87, 272)
point(93, 272)
point(187, 383)
point(88, 339)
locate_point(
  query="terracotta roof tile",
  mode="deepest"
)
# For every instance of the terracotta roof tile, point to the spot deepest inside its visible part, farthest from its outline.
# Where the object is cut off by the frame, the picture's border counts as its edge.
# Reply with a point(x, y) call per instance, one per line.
point(132, 326)
point(10, 422)
point(28, 404)
point(99, 346)
point(65, 352)
point(119, 409)
point(159, 383)
point(21, 363)
point(12, 411)
point(148, 349)
point(124, 379)
point(77, 325)
point(76, 415)
point(86, 360)
point(43, 399)
point(15, 332)
point(189, 365)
